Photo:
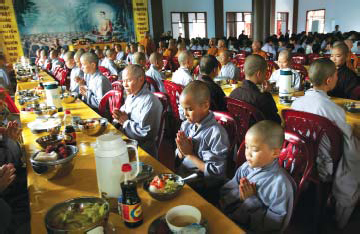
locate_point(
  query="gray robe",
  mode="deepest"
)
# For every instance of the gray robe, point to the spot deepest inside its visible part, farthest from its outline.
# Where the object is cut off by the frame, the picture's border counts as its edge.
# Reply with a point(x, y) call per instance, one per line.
point(347, 176)
point(111, 66)
point(144, 111)
point(98, 85)
point(158, 77)
point(230, 70)
point(74, 86)
point(211, 144)
point(270, 209)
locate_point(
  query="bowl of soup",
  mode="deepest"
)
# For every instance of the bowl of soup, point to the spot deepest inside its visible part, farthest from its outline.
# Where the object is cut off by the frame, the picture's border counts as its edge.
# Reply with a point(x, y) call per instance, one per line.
point(182, 216)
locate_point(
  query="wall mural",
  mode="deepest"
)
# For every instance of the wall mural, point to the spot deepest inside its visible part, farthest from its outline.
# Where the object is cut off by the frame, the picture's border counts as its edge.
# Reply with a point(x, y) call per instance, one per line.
point(40, 22)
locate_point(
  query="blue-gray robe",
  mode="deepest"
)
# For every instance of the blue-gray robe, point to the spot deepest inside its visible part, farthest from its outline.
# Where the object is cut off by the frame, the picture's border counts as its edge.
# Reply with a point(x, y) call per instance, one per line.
point(144, 111)
point(270, 209)
point(211, 144)
point(76, 71)
point(98, 85)
point(111, 66)
point(157, 76)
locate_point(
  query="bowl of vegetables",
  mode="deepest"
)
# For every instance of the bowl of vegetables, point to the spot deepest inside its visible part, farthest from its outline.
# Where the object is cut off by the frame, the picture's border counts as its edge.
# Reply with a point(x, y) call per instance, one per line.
point(164, 187)
point(93, 127)
point(78, 215)
point(55, 161)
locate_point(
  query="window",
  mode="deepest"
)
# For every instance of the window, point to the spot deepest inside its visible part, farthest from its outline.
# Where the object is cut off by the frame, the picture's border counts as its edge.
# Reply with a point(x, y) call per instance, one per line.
point(188, 24)
point(282, 20)
point(315, 21)
point(236, 22)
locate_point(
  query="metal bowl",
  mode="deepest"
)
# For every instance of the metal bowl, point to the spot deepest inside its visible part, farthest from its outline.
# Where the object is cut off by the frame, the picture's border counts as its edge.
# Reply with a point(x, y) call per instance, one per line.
point(69, 97)
point(55, 169)
point(28, 100)
point(93, 127)
point(37, 128)
point(47, 140)
point(71, 205)
point(23, 78)
point(165, 196)
point(47, 110)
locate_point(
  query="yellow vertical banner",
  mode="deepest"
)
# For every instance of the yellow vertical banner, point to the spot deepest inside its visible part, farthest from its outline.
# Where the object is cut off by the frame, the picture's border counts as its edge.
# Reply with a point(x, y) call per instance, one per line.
point(141, 22)
point(9, 33)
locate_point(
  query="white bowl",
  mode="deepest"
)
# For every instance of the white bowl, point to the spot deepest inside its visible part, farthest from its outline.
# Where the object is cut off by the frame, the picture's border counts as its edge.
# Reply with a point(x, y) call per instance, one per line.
point(182, 210)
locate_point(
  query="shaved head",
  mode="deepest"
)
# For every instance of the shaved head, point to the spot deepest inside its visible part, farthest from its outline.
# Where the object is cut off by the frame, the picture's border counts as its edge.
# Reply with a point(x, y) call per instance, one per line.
point(226, 53)
point(320, 70)
point(90, 57)
point(135, 71)
point(198, 91)
point(78, 54)
point(69, 55)
point(271, 133)
point(253, 64)
point(286, 54)
point(184, 56)
point(139, 58)
point(110, 52)
point(155, 57)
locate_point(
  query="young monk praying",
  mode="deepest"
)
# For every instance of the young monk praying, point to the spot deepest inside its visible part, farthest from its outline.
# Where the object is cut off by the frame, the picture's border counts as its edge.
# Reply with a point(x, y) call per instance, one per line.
point(202, 143)
point(156, 61)
point(260, 197)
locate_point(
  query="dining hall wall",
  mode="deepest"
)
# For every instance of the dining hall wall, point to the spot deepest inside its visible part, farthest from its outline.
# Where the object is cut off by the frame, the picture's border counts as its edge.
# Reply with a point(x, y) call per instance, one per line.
point(342, 12)
point(189, 6)
point(236, 6)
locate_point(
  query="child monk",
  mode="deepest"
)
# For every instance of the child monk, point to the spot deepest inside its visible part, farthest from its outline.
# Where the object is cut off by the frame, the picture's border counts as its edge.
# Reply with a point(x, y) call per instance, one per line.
point(76, 71)
point(260, 197)
point(108, 62)
point(284, 62)
point(345, 188)
point(202, 143)
point(347, 78)
point(154, 71)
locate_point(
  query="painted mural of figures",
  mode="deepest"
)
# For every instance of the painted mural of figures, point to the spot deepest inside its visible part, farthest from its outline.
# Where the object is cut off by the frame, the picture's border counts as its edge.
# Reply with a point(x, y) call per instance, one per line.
point(105, 26)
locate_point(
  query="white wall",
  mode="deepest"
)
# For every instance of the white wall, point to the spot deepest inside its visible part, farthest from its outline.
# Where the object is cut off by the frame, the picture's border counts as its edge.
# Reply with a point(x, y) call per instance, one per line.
point(285, 6)
point(189, 6)
point(342, 12)
point(236, 6)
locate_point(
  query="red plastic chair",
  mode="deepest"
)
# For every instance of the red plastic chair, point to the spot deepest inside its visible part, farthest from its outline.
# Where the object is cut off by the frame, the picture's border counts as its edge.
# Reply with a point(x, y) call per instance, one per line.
point(241, 71)
point(240, 56)
point(113, 99)
point(61, 60)
point(196, 70)
point(228, 122)
point(174, 90)
point(303, 73)
point(8, 101)
point(167, 64)
point(298, 59)
point(62, 77)
point(175, 64)
point(117, 85)
point(312, 58)
point(164, 99)
point(104, 71)
point(295, 157)
point(56, 71)
point(152, 83)
point(244, 114)
point(271, 66)
point(313, 128)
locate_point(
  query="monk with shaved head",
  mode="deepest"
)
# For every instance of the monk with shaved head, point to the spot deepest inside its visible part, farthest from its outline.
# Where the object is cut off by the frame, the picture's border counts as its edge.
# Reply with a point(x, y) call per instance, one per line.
point(182, 75)
point(256, 48)
point(255, 70)
point(202, 143)
point(154, 72)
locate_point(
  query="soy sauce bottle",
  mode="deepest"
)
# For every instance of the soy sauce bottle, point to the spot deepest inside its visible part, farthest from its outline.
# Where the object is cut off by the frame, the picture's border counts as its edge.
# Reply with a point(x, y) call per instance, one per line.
point(131, 204)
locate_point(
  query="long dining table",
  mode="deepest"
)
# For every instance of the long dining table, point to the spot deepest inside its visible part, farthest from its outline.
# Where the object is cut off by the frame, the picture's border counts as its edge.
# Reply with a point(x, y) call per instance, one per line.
point(82, 181)
point(351, 118)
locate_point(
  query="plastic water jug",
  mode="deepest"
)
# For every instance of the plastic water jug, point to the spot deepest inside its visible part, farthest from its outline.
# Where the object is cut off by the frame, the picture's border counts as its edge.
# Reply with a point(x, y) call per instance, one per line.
point(52, 92)
point(286, 85)
point(110, 153)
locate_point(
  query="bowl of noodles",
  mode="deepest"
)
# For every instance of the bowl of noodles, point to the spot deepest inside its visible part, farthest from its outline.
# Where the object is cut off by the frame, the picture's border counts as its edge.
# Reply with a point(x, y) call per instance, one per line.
point(78, 215)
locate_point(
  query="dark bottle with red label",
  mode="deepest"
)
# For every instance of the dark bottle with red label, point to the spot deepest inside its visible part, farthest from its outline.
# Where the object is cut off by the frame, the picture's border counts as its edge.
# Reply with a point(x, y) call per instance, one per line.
point(131, 204)
point(69, 131)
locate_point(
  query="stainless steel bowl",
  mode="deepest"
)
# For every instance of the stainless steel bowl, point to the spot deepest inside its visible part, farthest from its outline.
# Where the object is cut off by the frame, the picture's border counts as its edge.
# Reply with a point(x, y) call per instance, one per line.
point(70, 205)
point(69, 97)
point(55, 169)
point(93, 127)
point(23, 78)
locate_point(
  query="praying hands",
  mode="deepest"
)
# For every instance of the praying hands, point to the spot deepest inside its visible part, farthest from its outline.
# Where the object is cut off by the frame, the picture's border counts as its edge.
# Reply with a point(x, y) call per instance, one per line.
point(83, 90)
point(184, 144)
point(7, 176)
point(246, 189)
point(120, 116)
point(12, 130)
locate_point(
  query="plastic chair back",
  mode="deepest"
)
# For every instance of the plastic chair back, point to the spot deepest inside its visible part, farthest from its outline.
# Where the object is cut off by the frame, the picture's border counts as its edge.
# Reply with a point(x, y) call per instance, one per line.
point(164, 99)
point(104, 71)
point(113, 99)
point(117, 85)
point(295, 157)
point(313, 128)
point(241, 71)
point(271, 66)
point(244, 114)
point(312, 58)
point(152, 83)
point(298, 59)
point(174, 90)
point(196, 70)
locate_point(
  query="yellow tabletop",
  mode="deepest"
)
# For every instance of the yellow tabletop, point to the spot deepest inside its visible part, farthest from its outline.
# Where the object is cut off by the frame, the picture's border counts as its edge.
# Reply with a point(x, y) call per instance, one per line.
point(83, 182)
point(101, 45)
point(351, 118)
point(33, 83)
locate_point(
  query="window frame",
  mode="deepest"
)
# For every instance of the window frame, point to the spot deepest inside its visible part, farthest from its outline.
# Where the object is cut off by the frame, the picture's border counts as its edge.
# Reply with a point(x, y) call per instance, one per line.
point(306, 23)
point(287, 20)
point(243, 16)
point(186, 23)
